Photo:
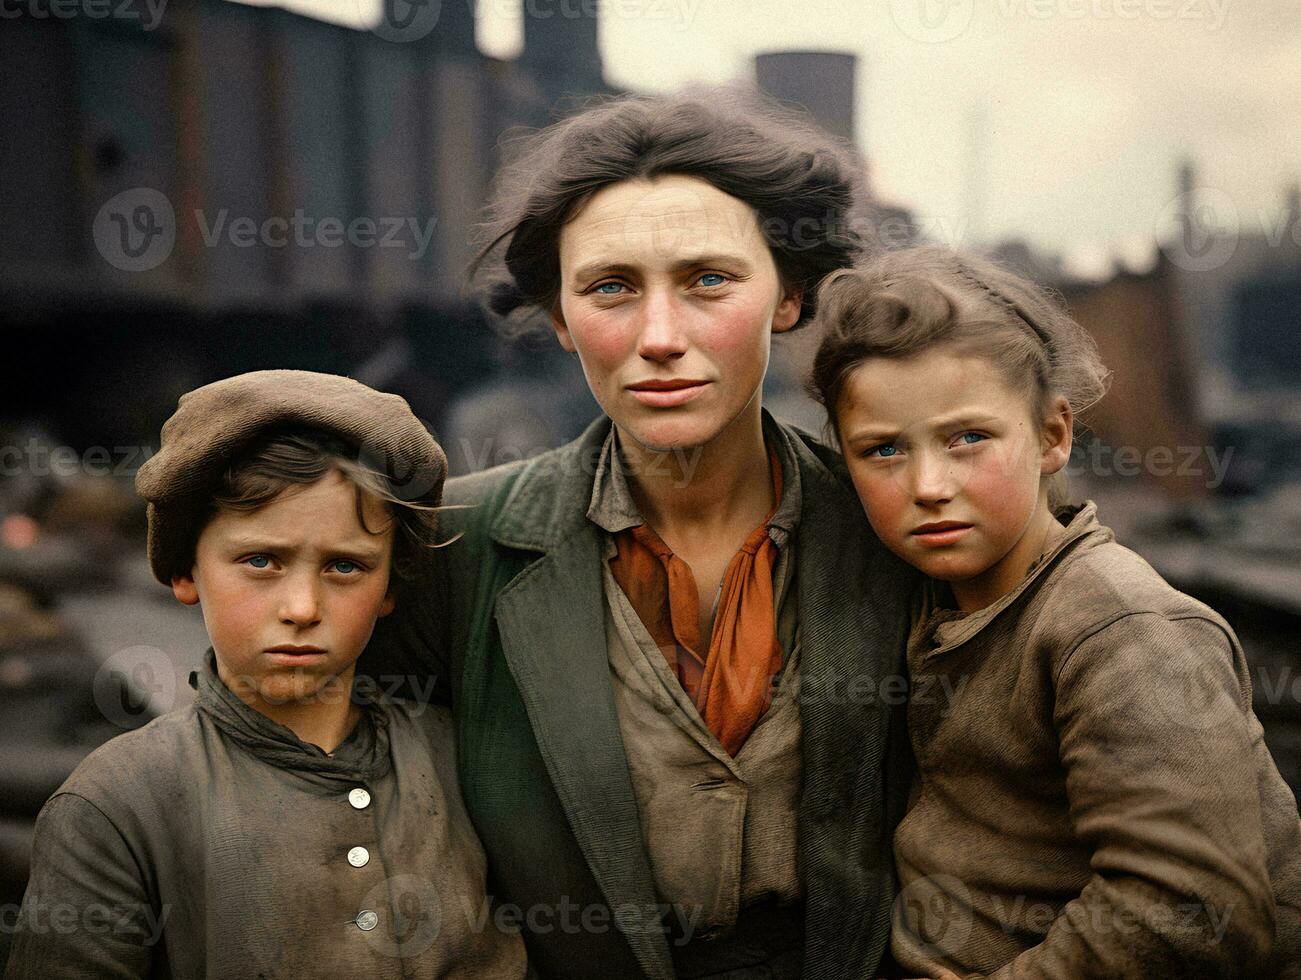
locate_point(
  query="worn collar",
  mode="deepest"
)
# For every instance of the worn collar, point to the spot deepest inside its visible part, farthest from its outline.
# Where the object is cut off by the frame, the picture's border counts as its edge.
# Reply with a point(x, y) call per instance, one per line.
point(548, 500)
point(363, 754)
point(612, 508)
point(951, 628)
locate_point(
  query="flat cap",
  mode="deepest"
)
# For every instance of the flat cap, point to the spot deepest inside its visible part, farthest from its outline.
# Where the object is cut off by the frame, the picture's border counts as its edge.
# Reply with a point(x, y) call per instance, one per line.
point(212, 425)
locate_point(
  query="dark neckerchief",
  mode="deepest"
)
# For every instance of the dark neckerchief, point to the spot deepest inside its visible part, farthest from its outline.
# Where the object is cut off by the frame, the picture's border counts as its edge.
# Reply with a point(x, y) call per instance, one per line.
point(363, 755)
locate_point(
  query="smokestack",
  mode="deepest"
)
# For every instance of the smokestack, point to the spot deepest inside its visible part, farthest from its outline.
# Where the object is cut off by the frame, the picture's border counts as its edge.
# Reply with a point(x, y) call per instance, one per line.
point(436, 23)
point(820, 81)
point(561, 49)
point(1187, 182)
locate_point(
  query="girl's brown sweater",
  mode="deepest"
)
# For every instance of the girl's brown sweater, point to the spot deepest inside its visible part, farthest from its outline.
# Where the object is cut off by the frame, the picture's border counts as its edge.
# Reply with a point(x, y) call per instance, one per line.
point(1094, 795)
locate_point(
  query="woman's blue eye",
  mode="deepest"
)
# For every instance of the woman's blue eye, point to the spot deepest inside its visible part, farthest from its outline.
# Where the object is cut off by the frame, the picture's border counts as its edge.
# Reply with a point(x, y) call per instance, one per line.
point(971, 438)
point(718, 279)
point(259, 561)
point(885, 451)
point(345, 566)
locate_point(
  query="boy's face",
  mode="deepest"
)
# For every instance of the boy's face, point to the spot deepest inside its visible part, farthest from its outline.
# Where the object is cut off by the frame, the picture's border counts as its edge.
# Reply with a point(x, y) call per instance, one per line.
point(290, 592)
point(943, 439)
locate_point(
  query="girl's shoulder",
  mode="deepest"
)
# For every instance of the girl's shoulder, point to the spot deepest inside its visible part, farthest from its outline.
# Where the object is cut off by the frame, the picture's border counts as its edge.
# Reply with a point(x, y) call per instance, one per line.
point(1105, 584)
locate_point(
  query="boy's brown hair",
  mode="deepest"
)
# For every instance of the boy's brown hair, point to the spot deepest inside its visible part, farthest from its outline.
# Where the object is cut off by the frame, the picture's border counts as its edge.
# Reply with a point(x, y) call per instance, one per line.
point(283, 460)
point(241, 441)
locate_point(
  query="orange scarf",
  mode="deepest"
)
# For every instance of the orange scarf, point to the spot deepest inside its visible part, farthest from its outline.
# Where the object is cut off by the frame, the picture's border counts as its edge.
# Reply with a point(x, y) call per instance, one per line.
point(731, 682)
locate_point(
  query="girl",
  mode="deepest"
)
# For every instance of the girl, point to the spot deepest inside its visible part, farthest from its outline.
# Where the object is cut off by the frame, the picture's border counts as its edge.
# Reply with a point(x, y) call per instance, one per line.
point(1093, 795)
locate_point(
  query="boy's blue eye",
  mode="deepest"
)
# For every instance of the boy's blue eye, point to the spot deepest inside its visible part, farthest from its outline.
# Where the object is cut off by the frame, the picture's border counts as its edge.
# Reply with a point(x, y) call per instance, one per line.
point(718, 280)
point(259, 561)
point(885, 451)
point(345, 566)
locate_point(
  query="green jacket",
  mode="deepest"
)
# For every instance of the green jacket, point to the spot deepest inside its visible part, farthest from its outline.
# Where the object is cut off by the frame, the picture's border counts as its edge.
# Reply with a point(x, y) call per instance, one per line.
point(512, 624)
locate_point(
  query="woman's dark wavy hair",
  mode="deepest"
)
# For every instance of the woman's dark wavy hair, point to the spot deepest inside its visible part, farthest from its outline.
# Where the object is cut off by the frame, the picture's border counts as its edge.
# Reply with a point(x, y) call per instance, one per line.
point(800, 183)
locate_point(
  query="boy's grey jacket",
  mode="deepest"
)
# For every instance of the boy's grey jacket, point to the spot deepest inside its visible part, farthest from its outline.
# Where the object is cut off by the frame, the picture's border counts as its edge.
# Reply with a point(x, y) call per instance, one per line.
point(513, 622)
point(214, 843)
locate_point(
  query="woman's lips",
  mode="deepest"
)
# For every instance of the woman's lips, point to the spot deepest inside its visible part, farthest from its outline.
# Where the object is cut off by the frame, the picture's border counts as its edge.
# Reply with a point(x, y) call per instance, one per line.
point(941, 535)
point(667, 394)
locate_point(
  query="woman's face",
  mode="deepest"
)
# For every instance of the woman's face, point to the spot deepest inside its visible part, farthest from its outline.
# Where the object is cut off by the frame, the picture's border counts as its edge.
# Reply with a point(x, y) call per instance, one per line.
point(669, 296)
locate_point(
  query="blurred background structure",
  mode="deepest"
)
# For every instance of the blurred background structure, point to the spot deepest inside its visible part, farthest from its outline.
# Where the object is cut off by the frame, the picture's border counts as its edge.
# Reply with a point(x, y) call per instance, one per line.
point(200, 187)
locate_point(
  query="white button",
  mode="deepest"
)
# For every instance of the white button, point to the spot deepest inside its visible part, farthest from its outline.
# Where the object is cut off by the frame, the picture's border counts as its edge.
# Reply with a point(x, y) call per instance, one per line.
point(359, 799)
point(358, 857)
point(367, 920)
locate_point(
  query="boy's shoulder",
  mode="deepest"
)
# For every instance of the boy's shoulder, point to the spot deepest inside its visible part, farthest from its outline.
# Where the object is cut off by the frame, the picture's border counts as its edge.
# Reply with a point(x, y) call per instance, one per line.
point(422, 740)
point(428, 720)
point(156, 760)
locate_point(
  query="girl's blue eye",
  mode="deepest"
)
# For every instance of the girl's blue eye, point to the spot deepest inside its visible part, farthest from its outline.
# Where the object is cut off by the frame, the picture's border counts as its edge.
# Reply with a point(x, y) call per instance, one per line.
point(885, 451)
point(259, 561)
point(345, 566)
point(718, 279)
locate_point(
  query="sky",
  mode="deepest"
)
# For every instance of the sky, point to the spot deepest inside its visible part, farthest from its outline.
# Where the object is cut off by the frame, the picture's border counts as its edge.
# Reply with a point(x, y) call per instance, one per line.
point(1084, 108)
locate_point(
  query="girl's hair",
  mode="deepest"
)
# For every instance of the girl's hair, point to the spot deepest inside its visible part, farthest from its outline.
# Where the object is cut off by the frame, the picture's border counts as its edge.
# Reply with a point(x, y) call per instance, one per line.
point(800, 184)
point(301, 457)
point(908, 301)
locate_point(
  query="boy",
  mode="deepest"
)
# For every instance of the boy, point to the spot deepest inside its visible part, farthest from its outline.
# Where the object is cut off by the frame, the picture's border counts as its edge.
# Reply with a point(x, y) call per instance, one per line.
point(283, 825)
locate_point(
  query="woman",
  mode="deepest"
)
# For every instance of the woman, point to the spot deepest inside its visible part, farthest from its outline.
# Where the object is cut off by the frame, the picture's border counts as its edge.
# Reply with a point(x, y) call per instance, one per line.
point(677, 667)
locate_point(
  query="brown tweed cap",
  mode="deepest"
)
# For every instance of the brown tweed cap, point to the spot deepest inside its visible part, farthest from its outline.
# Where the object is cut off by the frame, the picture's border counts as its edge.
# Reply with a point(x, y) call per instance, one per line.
point(213, 424)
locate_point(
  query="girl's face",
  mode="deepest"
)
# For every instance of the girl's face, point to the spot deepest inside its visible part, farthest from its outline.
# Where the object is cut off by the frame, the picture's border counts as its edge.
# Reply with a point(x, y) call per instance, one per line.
point(669, 296)
point(948, 460)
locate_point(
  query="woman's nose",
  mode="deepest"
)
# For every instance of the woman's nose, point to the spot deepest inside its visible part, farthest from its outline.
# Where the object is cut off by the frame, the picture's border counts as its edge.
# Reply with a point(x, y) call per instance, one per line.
point(661, 337)
point(300, 603)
